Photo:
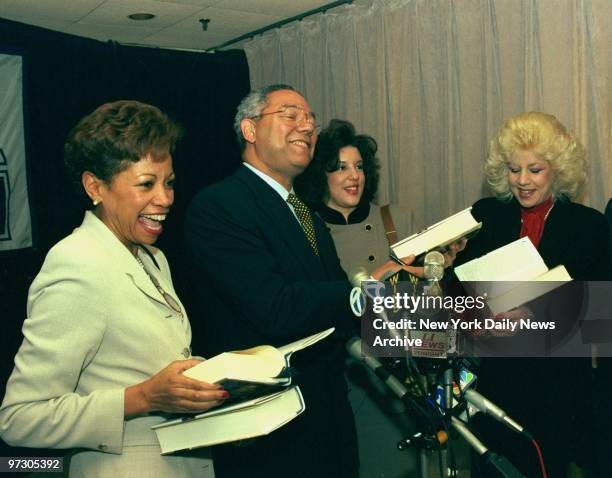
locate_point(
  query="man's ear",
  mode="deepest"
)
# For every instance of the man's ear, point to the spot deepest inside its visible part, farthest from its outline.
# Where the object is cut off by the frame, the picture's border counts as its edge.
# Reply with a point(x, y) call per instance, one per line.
point(248, 128)
point(93, 187)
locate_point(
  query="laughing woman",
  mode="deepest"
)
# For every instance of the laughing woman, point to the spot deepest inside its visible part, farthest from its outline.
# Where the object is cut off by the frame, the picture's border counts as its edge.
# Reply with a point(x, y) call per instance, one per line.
point(106, 338)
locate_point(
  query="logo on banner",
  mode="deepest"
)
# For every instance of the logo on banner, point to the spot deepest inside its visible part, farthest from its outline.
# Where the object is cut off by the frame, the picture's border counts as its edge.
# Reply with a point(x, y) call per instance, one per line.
point(15, 217)
point(5, 231)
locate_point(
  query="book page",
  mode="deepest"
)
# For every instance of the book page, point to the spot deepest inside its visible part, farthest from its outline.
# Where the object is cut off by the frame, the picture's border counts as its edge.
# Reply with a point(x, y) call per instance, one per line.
point(517, 261)
point(288, 349)
point(247, 366)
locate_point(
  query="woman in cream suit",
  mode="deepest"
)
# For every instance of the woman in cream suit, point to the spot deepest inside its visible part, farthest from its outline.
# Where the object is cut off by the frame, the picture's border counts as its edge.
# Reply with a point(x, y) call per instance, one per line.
point(106, 338)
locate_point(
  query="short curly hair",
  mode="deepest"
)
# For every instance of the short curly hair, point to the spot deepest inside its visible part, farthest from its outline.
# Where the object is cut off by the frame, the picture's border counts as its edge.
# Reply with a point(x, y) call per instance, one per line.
point(547, 138)
point(312, 186)
point(114, 135)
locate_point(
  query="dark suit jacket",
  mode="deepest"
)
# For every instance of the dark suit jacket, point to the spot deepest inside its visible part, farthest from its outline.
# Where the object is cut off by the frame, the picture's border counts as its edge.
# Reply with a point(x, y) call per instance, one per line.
point(259, 282)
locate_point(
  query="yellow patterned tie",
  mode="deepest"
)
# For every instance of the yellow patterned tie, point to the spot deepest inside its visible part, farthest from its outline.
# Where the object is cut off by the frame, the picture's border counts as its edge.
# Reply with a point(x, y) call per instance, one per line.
point(303, 214)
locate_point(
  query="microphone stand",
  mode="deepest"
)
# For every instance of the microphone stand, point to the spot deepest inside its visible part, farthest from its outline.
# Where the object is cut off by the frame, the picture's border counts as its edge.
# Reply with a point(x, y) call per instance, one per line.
point(410, 398)
point(499, 462)
point(432, 441)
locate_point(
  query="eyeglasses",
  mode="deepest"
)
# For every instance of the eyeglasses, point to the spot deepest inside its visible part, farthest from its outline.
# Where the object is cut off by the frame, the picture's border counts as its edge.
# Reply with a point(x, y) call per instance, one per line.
point(293, 114)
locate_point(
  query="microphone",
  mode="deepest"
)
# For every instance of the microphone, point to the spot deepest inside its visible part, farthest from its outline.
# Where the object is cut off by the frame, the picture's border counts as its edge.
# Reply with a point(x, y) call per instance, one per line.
point(489, 408)
point(358, 275)
point(433, 271)
point(433, 266)
point(354, 349)
point(409, 397)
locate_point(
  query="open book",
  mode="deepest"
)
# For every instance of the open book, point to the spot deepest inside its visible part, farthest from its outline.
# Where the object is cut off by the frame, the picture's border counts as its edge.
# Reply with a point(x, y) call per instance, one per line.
point(241, 421)
point(511, 276)
point(437, 235)
point(252, 372)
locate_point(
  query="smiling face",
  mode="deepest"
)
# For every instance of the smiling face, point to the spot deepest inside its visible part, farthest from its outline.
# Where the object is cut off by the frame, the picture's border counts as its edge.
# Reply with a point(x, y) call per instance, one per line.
point(137, 200)
point(530, 178)
point(346, 184)
point(278, 144)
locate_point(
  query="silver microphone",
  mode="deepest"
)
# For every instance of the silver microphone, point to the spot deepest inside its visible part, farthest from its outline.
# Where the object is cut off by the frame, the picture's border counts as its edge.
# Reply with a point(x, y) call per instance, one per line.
point(489, 408)
point(358, 275)
point(434, 266)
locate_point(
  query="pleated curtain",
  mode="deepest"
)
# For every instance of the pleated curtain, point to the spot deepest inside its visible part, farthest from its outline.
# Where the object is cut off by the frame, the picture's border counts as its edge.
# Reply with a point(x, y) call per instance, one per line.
point(433, 80)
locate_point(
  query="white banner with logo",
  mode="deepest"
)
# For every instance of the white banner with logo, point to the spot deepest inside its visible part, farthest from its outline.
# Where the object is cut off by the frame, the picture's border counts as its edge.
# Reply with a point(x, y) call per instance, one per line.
point(15, 221)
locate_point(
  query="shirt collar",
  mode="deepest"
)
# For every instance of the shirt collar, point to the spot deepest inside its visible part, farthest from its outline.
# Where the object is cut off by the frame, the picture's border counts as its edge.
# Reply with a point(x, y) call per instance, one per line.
point(273, 183)
point(331, 216)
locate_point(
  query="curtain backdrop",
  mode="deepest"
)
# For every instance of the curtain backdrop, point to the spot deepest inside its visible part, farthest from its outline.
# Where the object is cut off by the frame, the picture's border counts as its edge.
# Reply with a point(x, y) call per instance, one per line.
point(433, 80)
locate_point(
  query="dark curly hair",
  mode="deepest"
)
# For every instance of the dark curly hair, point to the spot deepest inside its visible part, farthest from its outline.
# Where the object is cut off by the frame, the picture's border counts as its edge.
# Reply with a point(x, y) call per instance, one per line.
point(114, 135)
point(311, 185)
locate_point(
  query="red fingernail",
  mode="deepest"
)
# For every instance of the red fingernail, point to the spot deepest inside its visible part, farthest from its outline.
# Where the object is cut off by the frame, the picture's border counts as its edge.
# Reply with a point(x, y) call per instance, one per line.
point(225, 394)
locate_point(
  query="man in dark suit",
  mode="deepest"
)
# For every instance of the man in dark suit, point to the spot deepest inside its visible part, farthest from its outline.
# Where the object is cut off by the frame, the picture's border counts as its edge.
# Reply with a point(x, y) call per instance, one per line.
point(264, 276)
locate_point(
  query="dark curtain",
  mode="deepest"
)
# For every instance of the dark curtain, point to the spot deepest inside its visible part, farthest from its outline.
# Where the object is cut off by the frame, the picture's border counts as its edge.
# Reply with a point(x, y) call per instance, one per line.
point(65, 78)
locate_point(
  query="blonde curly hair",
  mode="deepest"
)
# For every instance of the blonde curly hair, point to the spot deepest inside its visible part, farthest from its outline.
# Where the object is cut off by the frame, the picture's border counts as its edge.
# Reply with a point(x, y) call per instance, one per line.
point(546, 137)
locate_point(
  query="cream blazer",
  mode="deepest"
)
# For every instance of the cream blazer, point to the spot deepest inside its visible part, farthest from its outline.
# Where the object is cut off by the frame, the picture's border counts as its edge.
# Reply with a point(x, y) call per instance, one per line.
point(95, 325)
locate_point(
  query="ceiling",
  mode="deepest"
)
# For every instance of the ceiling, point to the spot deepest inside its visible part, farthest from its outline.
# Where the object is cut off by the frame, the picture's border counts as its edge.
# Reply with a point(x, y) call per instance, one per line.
point(176, 24)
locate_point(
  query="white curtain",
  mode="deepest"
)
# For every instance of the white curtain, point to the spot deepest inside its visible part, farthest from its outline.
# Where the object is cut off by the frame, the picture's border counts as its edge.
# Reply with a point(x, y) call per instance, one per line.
point(433, 80)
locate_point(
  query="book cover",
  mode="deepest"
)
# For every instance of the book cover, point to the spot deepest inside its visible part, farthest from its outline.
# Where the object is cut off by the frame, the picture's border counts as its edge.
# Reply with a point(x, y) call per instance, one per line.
point(228, 423)
point(511, 276)
point(438, 235)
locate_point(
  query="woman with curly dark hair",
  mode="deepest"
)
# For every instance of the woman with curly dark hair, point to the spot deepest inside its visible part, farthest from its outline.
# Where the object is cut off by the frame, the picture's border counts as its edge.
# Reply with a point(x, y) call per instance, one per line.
point(340, 183)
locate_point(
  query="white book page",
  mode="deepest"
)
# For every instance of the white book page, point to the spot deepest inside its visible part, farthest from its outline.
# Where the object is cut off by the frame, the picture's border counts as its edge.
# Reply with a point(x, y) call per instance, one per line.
point(517, 261)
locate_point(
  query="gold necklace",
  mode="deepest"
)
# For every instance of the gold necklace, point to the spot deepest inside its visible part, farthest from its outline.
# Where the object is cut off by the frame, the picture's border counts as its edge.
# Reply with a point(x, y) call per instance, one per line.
point(171, 301)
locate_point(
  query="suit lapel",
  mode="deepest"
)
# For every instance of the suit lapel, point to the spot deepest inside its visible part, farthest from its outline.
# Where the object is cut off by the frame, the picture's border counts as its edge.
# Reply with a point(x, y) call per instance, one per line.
point(280, 217)
point(122, 258)
point(551, 248)
point(327, 251)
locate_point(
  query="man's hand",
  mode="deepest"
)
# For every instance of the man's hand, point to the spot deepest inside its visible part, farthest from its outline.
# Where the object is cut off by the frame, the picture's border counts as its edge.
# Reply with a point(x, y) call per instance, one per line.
point(391, 267)
point(450, 252)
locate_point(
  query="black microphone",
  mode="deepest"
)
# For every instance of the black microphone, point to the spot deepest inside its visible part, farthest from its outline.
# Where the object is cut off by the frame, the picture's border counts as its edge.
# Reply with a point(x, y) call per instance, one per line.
point(410, 397)
point(354, 349)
